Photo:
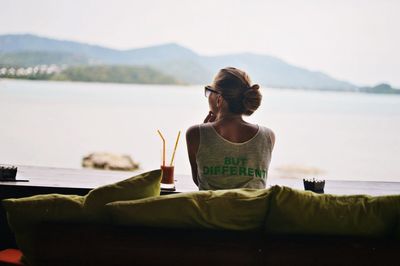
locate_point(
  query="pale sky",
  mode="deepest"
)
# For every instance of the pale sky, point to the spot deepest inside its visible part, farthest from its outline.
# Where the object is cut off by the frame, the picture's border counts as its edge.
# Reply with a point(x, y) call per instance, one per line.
point(353, 40)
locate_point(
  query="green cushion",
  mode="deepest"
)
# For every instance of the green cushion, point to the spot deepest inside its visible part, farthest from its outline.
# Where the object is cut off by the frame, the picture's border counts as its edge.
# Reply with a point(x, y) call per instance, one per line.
point(236, 209)
point(304, 212)
point(137, 187)
point(25, 214)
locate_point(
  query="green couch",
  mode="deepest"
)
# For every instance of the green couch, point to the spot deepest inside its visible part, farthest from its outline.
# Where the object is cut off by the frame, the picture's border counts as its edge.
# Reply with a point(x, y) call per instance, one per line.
point(128, 223)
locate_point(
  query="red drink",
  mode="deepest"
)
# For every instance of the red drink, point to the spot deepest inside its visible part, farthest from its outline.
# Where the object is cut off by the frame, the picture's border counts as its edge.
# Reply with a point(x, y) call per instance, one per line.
point(168, 174)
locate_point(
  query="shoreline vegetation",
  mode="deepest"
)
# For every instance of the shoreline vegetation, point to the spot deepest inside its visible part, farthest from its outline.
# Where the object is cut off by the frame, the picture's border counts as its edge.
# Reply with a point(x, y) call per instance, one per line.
point(101, 73)
point(130, 75)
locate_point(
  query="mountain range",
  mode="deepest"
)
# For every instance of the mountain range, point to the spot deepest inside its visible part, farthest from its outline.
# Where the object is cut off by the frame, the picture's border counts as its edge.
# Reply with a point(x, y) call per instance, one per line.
point(171, 59)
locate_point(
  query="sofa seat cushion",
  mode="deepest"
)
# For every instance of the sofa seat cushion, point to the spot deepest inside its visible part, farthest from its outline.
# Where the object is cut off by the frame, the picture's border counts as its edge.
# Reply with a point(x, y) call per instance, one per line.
point(236, 209)
point(25, 213)
point(137, 187)
point(307, 213)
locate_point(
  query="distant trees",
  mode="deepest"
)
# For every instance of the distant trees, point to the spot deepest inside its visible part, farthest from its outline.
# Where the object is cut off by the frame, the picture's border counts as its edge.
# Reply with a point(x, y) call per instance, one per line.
point(95, 73)
point(381, 88)
point(116, 74)
point(33, 72)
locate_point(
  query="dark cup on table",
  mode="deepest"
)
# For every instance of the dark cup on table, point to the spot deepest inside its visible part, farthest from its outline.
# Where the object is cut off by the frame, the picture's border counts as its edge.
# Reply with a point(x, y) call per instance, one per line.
point(167, 180)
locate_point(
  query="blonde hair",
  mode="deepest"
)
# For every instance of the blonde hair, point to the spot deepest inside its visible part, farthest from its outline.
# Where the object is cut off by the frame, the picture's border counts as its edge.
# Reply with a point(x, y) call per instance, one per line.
point(236, 89)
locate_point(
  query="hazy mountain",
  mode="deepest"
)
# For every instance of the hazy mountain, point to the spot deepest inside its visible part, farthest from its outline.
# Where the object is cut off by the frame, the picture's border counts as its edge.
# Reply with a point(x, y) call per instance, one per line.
point(31, 58)
point(171, 59)
point(26, 42)
point(271, 71)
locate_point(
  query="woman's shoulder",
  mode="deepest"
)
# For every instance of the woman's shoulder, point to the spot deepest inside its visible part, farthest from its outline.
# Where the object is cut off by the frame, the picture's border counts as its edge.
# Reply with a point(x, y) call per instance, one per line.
point(266, 129)
point(193, 130)
point(196, 128)
point(269, 133)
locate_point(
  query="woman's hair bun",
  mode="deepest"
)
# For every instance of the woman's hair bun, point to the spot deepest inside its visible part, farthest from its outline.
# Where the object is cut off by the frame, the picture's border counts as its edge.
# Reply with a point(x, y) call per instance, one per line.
point(255, 87)
point(237, 91)
point(251, 99)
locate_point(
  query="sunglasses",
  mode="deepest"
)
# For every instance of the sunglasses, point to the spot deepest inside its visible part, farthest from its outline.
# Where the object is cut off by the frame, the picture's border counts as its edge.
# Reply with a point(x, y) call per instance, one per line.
point(208, 90)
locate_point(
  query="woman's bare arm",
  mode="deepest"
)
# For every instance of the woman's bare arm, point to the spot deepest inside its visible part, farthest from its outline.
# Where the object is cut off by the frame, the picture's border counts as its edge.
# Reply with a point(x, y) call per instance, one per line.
point(192, 141)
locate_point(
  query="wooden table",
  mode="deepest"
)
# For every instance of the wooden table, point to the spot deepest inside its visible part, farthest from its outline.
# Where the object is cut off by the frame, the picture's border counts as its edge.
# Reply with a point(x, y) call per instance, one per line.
point(74, 181)
point(344, 187)
point(45, 180)
point(81, 181)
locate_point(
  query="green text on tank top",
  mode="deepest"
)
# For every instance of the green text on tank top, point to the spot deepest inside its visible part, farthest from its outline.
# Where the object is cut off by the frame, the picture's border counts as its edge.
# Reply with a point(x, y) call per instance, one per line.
point(222, 164)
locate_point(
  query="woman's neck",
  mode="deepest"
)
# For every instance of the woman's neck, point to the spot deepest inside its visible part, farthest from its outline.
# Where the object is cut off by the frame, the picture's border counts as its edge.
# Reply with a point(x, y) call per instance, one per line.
point(228, 117)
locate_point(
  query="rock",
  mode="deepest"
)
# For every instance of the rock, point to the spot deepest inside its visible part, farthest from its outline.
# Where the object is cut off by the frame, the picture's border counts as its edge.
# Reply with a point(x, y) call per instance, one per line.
point(109, 161)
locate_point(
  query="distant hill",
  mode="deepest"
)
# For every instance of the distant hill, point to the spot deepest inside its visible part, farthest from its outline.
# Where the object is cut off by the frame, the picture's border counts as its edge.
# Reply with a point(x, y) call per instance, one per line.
point(274, 72)
point(13, 43)
point(31, 58)
point(171, 59)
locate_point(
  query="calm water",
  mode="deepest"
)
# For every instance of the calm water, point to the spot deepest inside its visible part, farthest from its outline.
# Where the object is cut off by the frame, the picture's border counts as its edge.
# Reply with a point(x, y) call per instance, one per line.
point(319, 134)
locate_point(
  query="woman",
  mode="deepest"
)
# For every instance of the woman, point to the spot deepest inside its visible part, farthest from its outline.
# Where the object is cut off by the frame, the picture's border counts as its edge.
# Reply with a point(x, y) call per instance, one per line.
point(226, 151)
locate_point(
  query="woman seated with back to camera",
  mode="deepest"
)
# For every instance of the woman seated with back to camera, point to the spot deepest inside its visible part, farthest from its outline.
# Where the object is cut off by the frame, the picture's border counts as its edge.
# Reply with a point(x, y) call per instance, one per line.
point(226, 151)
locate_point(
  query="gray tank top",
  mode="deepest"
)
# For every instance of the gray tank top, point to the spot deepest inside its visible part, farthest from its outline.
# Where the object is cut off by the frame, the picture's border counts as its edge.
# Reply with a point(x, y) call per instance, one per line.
point(222, 164)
